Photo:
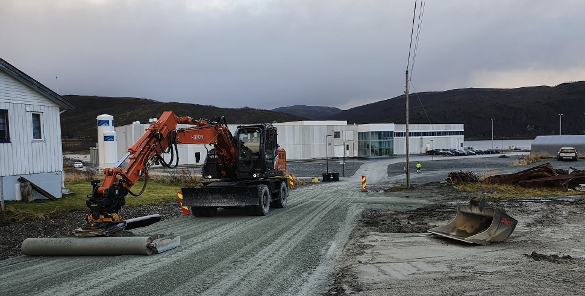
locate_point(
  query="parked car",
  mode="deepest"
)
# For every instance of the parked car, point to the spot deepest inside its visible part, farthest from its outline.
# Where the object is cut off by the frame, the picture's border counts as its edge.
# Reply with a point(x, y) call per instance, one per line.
point(444, 152)
point(567, 153)
point(78, 164)
point(474, 150)
point(493, 151)
point(434, 152)
point(457, 152)
point(462, 152)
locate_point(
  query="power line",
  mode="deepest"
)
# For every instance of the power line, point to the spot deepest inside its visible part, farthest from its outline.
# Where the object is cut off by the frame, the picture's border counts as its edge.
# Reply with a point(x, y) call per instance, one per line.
point(420, 15)
point(411, 33)
point(421, 104)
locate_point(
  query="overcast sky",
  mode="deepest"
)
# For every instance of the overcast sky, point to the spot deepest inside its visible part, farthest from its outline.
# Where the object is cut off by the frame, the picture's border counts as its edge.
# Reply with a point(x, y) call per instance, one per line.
point(273, 53)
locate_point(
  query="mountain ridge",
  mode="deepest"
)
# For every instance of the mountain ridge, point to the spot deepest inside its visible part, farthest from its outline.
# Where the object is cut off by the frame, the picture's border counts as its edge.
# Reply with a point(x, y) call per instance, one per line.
point(520, 113)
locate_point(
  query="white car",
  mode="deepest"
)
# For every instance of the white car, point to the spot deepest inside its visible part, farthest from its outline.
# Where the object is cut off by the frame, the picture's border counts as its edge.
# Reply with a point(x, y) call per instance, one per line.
point(567, 153)
point(78, 164)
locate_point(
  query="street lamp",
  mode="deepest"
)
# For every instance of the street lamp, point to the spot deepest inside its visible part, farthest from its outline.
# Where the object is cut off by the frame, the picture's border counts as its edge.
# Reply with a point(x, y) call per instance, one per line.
point(560, 122)
point(326, 157)
point(432, 153)
point(492, 133)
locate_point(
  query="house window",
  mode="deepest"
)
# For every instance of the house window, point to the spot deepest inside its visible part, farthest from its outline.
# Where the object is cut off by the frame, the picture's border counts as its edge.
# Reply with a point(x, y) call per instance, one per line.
point(37, 126)
point(4, 135)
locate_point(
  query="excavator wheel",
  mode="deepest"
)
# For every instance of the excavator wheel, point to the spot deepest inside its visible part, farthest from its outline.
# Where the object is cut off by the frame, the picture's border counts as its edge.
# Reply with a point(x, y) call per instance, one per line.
point(280, 202)
point(204, 211)
point(264, 199)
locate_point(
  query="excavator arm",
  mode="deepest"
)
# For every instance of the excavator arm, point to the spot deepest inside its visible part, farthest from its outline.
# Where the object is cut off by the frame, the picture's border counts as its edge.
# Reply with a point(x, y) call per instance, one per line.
point(161, 137)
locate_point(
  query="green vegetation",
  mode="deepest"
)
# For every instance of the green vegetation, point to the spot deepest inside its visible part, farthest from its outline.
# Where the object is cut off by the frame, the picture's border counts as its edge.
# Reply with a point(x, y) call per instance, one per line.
point(512, 191)
point(159, 190)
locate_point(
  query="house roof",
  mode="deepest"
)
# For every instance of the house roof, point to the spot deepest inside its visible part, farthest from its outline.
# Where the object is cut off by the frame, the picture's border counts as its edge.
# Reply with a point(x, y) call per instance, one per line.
point(37, 86)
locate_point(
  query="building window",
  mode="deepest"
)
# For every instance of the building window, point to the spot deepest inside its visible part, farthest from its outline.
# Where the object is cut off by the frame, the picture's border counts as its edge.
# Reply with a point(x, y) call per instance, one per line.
point(4, 135)
point(336, 135)
point(37, 126)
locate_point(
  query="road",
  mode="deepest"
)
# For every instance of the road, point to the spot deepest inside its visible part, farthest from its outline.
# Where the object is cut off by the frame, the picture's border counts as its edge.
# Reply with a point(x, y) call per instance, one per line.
point(292, 251)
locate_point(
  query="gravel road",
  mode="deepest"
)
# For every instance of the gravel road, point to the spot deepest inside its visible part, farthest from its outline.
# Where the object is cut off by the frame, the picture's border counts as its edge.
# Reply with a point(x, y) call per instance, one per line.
point(330, 239)
point(292, 251)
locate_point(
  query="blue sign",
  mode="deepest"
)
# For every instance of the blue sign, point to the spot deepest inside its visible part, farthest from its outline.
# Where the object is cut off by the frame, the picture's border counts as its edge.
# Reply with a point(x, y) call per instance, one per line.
point(109, 138)
point(103, 123)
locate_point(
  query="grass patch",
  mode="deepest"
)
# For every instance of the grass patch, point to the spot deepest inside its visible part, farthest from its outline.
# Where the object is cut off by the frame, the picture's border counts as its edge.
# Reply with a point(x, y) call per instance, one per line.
point(532, 158)
point(512, 191)
point(155, 193)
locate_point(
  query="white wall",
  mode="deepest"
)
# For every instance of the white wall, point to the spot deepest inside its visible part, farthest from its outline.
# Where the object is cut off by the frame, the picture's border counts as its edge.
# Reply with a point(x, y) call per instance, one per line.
point(308, 141)
point(422, 144)
point(25, 155)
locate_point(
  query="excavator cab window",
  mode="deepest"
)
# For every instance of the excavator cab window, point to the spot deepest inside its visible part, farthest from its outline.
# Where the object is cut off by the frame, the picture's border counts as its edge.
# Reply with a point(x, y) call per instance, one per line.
point(271, 149)
point(249, 147)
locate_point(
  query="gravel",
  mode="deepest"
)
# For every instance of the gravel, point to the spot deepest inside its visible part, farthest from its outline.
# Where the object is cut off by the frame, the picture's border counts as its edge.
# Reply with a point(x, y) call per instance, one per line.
point(12, 235)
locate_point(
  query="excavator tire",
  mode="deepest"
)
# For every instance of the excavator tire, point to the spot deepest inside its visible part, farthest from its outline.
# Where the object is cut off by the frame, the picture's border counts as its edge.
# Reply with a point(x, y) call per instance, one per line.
point(280, 202)
point(264, 201)
point(204, 211)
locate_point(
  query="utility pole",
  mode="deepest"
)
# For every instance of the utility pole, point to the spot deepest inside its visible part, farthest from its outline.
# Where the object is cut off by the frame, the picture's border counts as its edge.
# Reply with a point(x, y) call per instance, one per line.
point(407, 136)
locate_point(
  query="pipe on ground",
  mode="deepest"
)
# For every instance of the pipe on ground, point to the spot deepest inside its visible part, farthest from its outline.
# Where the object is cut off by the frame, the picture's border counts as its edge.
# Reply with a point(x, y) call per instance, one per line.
point(87, 246)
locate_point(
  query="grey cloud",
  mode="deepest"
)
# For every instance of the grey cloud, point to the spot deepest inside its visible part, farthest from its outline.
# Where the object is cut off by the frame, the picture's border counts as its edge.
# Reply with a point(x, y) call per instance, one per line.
point(282, 52)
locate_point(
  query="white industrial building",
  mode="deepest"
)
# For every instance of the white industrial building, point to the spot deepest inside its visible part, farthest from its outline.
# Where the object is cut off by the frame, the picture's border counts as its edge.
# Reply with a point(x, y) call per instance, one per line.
point(320, 139)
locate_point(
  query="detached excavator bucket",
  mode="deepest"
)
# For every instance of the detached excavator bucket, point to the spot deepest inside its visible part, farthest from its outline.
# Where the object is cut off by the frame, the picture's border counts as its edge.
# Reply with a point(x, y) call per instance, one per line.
point(479, 224)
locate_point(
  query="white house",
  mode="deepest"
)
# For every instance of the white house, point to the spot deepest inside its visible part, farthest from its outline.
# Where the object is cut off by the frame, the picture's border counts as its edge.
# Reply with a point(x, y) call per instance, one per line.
point(30, 134)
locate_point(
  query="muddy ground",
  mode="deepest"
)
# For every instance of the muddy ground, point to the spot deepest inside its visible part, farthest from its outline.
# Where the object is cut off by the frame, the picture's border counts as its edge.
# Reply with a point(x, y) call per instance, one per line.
point(391, 252)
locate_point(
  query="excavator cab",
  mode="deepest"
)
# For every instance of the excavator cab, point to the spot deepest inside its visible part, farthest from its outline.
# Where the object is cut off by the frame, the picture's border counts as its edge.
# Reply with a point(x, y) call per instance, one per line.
point(256, 151)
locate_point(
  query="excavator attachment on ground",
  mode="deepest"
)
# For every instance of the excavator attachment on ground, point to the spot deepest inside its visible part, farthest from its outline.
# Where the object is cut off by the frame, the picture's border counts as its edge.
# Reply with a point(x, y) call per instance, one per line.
point(478, 223)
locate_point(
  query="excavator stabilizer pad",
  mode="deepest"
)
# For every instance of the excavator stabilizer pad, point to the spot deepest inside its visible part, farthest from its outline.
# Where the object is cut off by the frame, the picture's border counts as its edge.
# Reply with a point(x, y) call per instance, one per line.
point(478, 223)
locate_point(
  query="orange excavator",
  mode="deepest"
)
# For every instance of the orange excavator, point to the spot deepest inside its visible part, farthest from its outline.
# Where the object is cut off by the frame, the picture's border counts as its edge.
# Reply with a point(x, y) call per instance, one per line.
point(245, 170)
point(242, 170)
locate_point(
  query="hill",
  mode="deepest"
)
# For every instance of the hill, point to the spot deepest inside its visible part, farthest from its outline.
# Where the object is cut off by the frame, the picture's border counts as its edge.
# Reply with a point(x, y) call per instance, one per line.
point(310, 112)
point(518, 113)
point(81, 122)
